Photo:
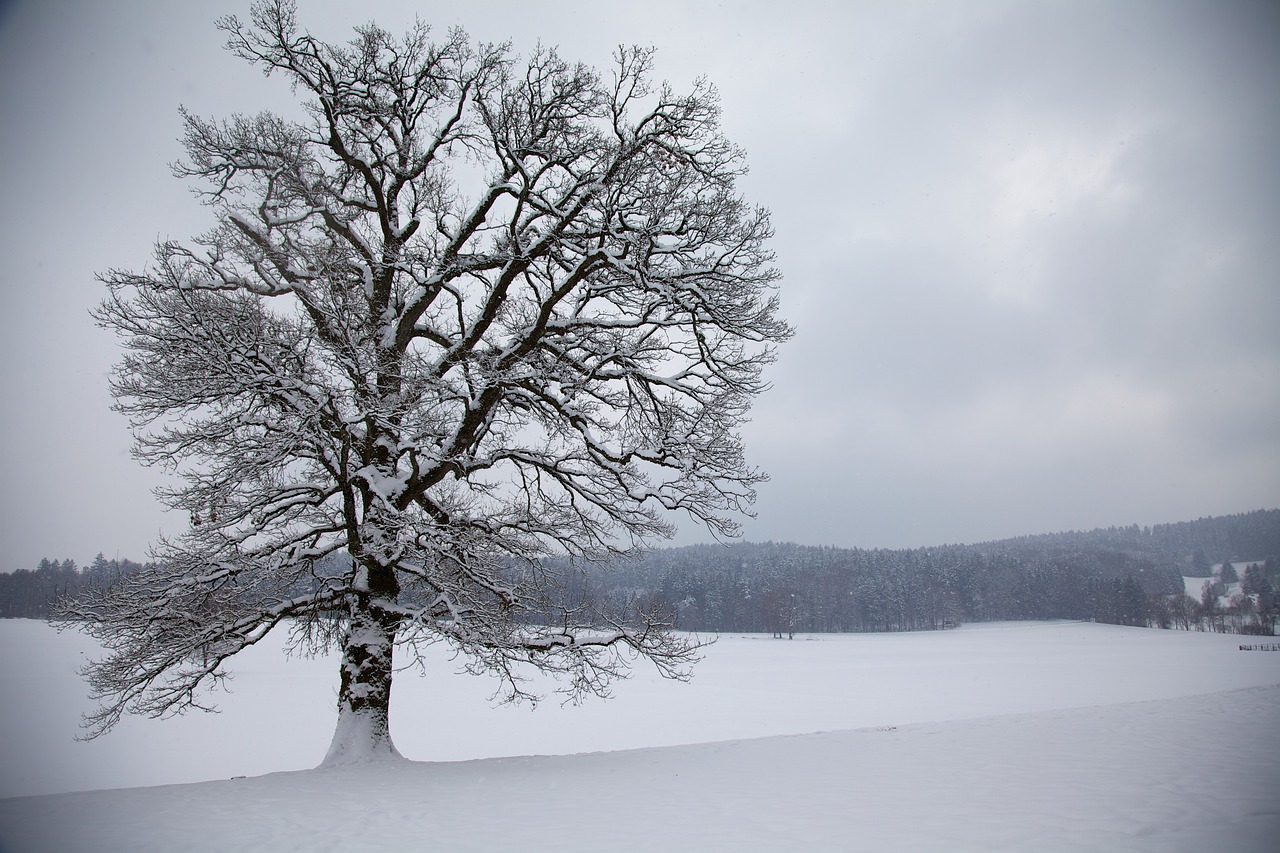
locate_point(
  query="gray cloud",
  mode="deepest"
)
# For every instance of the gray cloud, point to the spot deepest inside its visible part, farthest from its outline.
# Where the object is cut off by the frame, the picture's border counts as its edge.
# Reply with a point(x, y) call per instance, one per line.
point(1030, 249)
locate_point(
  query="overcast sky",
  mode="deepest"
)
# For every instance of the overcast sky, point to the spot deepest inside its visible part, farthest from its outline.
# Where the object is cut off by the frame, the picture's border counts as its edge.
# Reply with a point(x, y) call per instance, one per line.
point(1031, 249)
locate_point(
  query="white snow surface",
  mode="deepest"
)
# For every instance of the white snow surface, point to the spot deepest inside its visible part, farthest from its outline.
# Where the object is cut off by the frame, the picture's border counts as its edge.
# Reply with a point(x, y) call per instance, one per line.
point(1194, 586)
point(1014, 736)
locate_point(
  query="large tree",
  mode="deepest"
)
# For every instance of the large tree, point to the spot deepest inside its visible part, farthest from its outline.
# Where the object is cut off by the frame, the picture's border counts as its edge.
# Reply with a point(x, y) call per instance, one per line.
point(471, 311)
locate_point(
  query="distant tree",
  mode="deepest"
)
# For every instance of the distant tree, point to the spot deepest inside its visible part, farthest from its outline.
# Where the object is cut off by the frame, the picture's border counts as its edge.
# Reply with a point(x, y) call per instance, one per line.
point(1160, 612)
point(1242, 612)
point(1260, 590)
point(1268, 610)
point(1182, 610)
point(472, 312)
point(1209, 608)
point(1227, 574)
point(26, 594)
point(1254, 581)
point(778, 611)
point(1132, 603)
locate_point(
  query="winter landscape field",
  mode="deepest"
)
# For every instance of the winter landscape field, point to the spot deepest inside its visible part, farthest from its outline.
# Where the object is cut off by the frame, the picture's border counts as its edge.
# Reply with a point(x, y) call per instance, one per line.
point(1010, 736)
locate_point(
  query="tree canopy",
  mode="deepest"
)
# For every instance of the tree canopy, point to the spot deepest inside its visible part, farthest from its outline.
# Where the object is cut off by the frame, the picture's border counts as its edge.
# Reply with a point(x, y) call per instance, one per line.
point(473, 311)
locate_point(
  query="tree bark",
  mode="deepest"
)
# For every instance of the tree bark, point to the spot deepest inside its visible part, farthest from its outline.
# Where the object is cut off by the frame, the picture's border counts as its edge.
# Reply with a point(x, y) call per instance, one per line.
point(363, 733)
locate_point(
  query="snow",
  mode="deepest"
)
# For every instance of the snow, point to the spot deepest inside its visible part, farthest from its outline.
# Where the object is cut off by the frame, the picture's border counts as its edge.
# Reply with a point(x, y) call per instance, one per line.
point(1019, 736)
point(1194, 587)
point(359, 739)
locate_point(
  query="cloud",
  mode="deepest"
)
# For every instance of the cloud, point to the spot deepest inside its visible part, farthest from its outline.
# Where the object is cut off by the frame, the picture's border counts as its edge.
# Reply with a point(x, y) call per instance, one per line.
point(1030, 249)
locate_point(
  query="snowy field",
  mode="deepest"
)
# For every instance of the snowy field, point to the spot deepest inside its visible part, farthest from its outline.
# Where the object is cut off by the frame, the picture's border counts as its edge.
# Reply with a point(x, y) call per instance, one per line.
point(1018, 737)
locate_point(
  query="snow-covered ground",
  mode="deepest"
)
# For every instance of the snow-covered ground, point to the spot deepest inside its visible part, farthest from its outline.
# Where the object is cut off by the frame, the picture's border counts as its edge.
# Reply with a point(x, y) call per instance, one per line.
point(1032, 736)
point(1194, 586)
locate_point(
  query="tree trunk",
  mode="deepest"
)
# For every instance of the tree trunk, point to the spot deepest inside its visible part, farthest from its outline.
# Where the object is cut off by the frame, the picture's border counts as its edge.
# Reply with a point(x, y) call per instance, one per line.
point(363, 733)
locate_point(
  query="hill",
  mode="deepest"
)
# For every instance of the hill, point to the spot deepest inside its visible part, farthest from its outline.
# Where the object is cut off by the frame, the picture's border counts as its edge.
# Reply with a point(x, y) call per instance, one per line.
point(1118, 575)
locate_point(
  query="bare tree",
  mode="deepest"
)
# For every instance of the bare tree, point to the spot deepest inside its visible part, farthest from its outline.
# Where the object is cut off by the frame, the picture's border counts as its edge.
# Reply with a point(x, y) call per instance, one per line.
point(471, 312)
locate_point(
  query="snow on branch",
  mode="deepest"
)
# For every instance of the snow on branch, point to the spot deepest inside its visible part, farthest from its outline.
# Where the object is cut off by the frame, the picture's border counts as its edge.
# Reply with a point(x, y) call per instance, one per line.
point(473, 311)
